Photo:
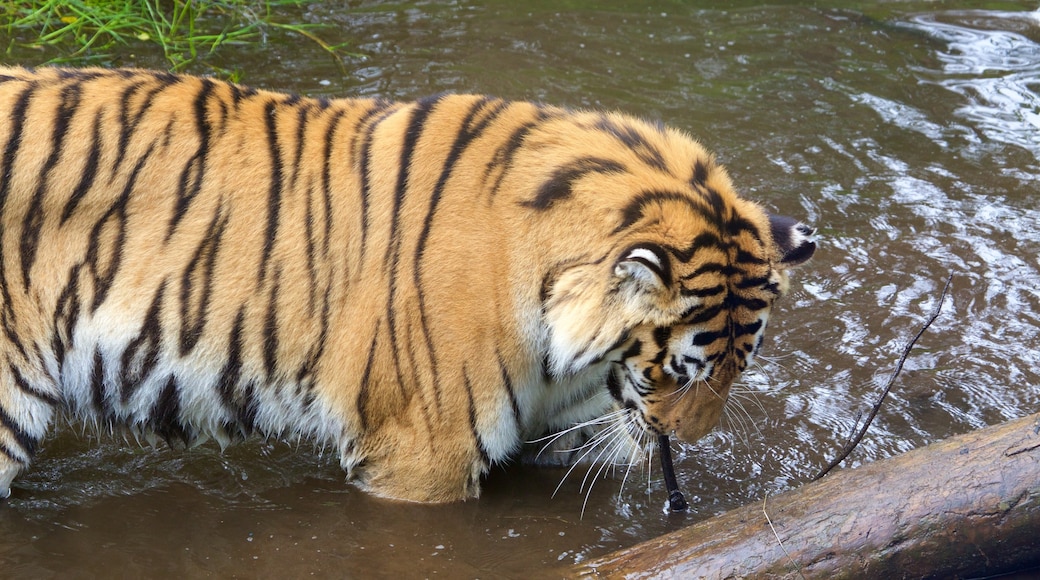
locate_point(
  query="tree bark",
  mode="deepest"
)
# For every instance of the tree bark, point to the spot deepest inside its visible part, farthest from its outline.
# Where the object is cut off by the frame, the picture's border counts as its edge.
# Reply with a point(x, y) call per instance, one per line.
point(964, 506)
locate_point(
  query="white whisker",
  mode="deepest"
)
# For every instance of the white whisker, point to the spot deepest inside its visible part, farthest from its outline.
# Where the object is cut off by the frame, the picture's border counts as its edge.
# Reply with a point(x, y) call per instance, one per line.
point(552, 438)
point(637, 450)
point(600, 436)
point(619, 432)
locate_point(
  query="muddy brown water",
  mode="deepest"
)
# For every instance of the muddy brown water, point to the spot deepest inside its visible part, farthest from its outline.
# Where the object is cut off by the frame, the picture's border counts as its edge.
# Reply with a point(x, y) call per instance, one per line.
point(907, 132)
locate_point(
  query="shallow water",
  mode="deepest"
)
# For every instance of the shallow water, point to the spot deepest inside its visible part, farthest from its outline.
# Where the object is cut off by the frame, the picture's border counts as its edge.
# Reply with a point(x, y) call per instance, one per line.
point(907, 132)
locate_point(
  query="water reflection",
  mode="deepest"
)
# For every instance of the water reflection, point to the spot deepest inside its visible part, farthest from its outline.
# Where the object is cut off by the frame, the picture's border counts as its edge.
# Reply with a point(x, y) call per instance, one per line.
point(996, 70)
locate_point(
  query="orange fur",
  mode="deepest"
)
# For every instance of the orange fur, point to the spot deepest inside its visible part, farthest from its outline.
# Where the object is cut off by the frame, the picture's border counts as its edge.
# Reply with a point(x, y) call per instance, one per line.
point(423, 285)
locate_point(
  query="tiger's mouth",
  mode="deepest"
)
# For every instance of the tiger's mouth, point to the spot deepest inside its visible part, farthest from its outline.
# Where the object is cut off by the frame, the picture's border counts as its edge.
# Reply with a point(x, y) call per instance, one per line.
point(689, 413)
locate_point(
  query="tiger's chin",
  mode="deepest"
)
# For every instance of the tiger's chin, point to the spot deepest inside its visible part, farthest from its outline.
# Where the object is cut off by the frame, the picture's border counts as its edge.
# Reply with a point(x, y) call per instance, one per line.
point(689, 413)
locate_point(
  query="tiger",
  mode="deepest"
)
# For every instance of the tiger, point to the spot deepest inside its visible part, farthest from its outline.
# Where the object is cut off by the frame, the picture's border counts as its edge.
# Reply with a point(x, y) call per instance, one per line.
point(423, 286)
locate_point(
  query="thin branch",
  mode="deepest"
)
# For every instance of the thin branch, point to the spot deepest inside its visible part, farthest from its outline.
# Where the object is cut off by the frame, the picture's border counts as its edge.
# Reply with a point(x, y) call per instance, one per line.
point(780, 542)
point(888, 387)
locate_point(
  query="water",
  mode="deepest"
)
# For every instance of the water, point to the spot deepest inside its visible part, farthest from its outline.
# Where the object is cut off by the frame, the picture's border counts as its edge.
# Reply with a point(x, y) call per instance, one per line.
point(907, 132)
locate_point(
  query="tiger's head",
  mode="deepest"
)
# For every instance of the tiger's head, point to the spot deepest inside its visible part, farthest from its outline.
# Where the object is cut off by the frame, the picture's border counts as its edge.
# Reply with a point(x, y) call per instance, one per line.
point(677, 308)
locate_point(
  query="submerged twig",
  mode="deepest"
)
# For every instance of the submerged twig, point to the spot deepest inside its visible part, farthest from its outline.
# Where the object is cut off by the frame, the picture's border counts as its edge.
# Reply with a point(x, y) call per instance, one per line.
point(888, 387)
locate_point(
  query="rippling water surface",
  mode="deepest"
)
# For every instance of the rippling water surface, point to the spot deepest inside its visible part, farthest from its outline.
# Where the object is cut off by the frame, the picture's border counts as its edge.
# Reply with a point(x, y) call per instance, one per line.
point(907, 132)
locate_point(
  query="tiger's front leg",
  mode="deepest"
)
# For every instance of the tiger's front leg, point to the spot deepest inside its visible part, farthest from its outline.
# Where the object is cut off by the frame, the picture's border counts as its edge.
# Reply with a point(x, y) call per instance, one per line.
point(26, 411)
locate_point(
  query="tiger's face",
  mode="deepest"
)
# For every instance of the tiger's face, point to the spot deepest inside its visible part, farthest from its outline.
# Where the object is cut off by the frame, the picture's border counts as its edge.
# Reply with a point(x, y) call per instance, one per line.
point(679, 309)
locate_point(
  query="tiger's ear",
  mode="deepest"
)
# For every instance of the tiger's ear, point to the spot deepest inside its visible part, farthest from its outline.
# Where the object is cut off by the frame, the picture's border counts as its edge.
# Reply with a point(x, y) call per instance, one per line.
point(646, 265)
point(793, 238)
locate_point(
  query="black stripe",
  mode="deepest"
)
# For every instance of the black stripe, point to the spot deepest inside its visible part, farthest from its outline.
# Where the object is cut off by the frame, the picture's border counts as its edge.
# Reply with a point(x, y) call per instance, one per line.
point(503, 157)
point(737, 224)
point(614, 385)
point(560, 186)
point(66, 314)
point(274, 194)
point(707, 337)
point(419, 114)
point(302, 120)
point(485, 457)
point(507, 383)
point(9, 324)
point(142, 353)
point(634, 350)
point(700, 174)
point(15, 457)
point(240, 93)
point(660, 356)
point(703, 292)
point(128, 120)
point(753, 282)
point(103, 280)
point(17, 121)
point(249, 408)
point(703, 240)
point(32, 224)
point(734, 300)
point(8, 318)
point(326, 178)
point(661, 335)
point(713, 267)
point(700, 316)
point(194, 173)
point(363, 388)
point(744, 257)
point(97, 387)
point(88, 174)
point(25, 441)
point(310, 250)
point(307, 367)
point(417, 375)
point(165, 416)
point(630, 137)
point(635, 209)
point(547, 374)
point(746, 329)
point(622, 339)
point(423, 109)
point(271, 328)
point(465, 135)
point(231, 375)
point(199, 274)
point(23, 384)
point(714, 199)
point(643, 390)
point(364, 164)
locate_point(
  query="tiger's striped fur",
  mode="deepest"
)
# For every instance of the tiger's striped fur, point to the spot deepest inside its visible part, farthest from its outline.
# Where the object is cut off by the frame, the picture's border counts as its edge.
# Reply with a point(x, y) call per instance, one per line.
point(422, 285)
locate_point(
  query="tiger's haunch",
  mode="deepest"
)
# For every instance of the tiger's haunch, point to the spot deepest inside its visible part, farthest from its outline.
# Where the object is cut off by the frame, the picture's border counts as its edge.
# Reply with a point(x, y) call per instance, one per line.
point(424, 286)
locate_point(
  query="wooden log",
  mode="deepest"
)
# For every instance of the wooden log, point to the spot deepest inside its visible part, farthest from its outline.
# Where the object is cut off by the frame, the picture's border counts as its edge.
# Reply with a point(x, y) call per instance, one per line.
point(964, 506)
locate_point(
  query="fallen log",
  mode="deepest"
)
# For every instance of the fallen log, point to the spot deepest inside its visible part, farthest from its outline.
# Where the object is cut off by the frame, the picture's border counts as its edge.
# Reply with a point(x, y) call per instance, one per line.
point(964, 506)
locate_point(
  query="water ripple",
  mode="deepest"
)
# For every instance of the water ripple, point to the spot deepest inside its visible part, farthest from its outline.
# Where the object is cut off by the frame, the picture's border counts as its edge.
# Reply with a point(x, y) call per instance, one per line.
point(996, 71)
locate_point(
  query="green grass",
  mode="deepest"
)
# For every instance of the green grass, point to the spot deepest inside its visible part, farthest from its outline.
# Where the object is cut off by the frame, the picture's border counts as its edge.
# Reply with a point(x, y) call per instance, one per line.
point(185, 30)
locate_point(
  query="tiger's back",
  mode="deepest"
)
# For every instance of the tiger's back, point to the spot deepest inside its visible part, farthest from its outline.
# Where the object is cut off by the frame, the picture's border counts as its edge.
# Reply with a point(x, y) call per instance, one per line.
point(191, 258)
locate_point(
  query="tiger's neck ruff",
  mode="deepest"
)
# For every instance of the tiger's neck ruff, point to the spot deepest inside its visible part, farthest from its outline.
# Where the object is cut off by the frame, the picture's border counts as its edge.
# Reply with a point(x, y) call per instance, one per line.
point(423, 285)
